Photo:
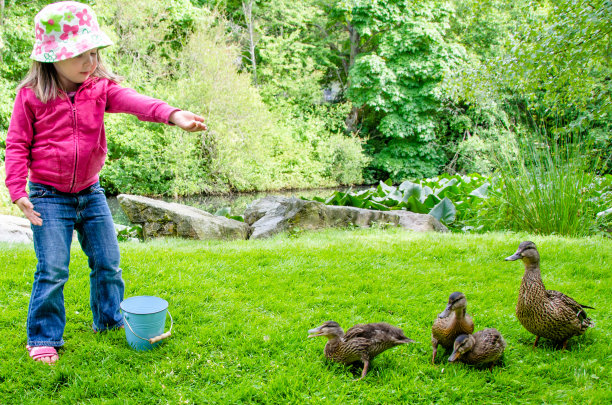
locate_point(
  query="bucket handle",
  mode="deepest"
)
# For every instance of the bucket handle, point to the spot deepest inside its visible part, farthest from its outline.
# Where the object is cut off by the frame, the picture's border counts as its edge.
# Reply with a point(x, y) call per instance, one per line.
point(154, 339)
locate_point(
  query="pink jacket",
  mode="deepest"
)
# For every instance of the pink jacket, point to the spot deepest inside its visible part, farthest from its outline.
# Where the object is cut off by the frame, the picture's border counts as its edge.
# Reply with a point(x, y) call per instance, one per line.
point(63, 144)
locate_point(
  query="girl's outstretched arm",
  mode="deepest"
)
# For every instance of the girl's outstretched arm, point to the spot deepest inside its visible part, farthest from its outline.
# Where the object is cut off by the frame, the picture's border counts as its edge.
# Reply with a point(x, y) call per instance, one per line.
point(188, 121)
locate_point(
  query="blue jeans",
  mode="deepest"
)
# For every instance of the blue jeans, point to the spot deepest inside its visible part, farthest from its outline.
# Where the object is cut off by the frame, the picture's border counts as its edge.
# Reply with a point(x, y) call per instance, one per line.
point(62, 213)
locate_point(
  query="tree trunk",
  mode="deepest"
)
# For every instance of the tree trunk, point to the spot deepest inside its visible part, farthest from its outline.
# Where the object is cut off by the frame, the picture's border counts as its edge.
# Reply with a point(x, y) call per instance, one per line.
point(247, 8)
point(352, 121)
point(355, 49)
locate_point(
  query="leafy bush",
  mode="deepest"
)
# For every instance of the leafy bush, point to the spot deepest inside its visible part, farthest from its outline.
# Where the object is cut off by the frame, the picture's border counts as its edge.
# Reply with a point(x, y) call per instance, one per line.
point(251, 147)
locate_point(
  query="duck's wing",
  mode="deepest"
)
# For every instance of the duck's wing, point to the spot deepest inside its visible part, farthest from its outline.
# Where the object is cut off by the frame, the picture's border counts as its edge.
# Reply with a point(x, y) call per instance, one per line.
point(375, 332)
point(568, 302)
point(492, 338)
point(365, 331)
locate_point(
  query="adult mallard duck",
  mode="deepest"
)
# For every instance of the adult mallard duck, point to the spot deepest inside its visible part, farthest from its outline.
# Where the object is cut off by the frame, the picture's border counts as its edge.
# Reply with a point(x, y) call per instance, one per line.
point(484, 347)
point(450, 323)
point(546, 313)
point(362, 342)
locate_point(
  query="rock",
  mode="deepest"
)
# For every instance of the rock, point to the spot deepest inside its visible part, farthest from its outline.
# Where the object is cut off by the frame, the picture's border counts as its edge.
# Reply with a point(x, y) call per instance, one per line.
point(159, 218)
point(271, 215)
point(15, 229)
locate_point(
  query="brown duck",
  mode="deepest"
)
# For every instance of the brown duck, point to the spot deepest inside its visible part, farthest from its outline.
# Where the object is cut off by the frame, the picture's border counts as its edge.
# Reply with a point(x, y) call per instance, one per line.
point(362, 342)
point(484, 348)
point(450, 323)
point(546, 313)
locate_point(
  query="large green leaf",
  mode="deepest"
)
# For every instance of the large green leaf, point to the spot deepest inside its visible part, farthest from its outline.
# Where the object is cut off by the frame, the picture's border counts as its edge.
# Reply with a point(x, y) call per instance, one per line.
point(356, 201)
point(410, 190)
point(444, 211)
point(373, 205)
point(385, 189)
point(425, 193)
point(414, 205)
point(396, 197)
point(447, 185)
point(481, 191)
point(431, 201)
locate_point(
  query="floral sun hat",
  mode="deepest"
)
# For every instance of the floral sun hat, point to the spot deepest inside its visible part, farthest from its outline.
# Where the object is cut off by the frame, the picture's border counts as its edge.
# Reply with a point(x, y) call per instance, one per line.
point(66, 29)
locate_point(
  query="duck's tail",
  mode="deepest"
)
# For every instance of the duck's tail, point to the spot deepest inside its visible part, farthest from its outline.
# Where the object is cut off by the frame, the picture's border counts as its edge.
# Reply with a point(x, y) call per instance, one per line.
point(585, 321)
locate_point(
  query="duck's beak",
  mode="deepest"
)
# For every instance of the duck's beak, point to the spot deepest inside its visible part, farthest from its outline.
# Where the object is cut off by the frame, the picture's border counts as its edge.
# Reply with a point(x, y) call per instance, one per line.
point(315, 332)
point(514, 257)
point(447, 311)
point(454, 356)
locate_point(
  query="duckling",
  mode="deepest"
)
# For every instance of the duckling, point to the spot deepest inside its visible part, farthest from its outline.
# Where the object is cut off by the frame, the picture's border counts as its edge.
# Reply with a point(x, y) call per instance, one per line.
point(362, 342)
point(484, 347)
point(546, 313)
point(450, 323)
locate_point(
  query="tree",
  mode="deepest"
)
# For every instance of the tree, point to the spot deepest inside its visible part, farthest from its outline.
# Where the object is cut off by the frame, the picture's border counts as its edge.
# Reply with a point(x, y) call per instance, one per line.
point(247, 9)
point(567, 54)
point(397, 56)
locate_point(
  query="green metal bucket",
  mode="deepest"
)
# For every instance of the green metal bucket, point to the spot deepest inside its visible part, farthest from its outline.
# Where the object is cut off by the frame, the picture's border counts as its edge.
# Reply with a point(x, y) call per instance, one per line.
point(145, 320)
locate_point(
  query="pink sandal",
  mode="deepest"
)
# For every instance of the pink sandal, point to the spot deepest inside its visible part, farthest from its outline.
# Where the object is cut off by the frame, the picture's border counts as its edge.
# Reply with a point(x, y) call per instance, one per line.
point(39, 353)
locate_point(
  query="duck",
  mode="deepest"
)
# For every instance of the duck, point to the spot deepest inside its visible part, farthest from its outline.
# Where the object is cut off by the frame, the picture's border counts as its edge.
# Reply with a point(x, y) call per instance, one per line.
point(546, 313)
point(362, 342)
point(483, 348)
point(450, 323)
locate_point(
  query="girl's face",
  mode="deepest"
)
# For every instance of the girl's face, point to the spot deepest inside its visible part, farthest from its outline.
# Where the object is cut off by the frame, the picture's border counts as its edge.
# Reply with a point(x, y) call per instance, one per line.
point(74, 71)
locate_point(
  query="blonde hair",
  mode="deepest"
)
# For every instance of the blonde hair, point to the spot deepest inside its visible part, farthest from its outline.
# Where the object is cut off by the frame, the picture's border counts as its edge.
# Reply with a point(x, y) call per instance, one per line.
point(43, 80)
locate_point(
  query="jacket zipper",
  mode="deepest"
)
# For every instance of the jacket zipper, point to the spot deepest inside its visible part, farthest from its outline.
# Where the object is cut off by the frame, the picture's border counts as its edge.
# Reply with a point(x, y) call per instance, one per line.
point(76, 141)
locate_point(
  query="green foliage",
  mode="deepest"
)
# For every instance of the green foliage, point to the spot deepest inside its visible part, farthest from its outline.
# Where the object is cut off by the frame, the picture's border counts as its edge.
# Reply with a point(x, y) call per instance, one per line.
point(447, 198)
point(242, 310)
point(149, 37)
point(549, 187)
point(552, 70)
point(16, 38)
point(537, 192)
point(422, 87)
point(149, 159)
point(174, 51)
point(398, 81)
point(563, 59)
point(6, 205)
point(130, 233)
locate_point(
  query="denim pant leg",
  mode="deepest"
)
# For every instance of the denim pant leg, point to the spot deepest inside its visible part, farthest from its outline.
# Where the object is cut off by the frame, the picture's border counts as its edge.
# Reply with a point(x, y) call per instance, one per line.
point(97, 236)
point(46, 313)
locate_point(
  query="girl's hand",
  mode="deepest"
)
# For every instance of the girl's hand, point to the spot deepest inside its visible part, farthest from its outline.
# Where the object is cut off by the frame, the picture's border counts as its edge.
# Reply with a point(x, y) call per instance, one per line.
point(27, 208)
point(188, 121)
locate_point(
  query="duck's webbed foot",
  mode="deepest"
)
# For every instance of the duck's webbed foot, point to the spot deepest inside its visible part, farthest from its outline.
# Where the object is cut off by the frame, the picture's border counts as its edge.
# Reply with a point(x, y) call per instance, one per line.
point(536, 342)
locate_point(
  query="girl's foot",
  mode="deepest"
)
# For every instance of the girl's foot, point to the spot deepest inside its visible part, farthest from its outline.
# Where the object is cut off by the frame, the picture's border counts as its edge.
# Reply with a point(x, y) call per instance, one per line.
point(44, 354)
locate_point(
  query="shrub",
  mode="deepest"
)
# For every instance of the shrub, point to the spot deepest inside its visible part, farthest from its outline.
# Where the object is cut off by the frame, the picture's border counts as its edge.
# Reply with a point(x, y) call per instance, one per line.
point(548, 184)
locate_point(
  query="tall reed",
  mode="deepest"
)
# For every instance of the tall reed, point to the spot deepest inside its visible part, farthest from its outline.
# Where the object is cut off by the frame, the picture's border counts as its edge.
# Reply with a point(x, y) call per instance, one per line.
point(547, 184)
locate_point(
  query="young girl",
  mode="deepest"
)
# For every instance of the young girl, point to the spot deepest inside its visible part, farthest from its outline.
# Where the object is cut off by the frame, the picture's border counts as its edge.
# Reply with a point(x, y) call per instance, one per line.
point(57, 134)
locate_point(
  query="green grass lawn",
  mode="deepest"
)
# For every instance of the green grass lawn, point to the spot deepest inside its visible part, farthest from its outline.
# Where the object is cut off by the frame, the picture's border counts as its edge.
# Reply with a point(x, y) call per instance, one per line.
point(242, 310)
